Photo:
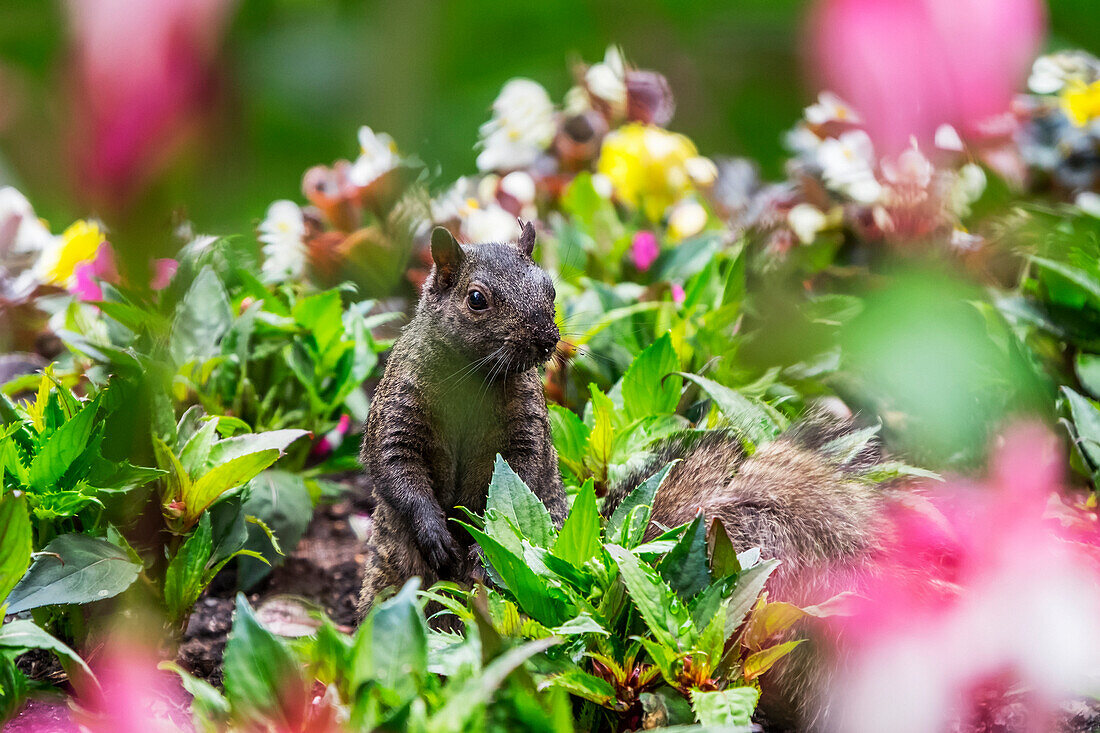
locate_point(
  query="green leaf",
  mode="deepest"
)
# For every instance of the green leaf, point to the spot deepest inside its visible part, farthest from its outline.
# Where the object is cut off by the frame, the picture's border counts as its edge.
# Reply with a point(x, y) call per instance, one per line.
point(224, 477)
point(321, 316)
point(1088, 372)
point(749, 585)
point(203, 317)
point(196, 452)
point(62, 448)
point(15, 542)
point(1075, 275)
point(570, 437)
point(732, 706)
point(619, 530)
point(464, 698)
point(392, 648)
point(760, 662)
point(652, 386)
point(584, 685)
point(509, 496)
point(260, 672)
point(661, 609)
point(74, 568)
point(579, 539)
point(278, 503)
point(684, 568)
point(845, 448)
point(242, 445)
point(183, 581)
point(747, 417)
point(723, 556)
point(25, 635)
point(534, 594)
point(582, 624)
point(1086, 419)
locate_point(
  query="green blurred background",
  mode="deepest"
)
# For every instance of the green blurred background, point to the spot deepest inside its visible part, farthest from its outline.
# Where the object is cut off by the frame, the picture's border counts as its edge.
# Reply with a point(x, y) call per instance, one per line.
point(297, 78)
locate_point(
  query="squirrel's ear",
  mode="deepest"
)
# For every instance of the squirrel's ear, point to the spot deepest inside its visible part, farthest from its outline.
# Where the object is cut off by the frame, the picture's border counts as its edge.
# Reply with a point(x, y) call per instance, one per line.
point(447, 255)
point(526, 240)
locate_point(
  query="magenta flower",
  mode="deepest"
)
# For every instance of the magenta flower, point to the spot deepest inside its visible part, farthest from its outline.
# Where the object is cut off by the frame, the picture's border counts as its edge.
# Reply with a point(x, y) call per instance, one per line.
point(644, 250)
point(133, 696)
point(88, 275)
point(678, 294)
point(910, 66)
point(141, 73)
point(981, 604)
point(163, 271)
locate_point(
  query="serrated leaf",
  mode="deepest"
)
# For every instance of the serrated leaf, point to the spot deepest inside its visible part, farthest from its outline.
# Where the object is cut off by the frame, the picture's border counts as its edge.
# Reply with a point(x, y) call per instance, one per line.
point(183, 581)
point(652, 386)
point(579, 539)
point(617, 529)
point(222, 478)
point(747, 417)
point(684, 568)
point(62, 448)
point(732, 706)
point(241, 445)
point(511, 497)
point(664, 614)
point(202, 318)
point(15, 542)
point(73, 569)
point(749, 586)
point(760, 662)
point(583, 685)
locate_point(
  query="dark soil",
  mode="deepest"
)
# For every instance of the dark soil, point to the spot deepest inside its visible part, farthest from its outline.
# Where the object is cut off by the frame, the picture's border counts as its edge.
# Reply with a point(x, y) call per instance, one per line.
point(326, 568)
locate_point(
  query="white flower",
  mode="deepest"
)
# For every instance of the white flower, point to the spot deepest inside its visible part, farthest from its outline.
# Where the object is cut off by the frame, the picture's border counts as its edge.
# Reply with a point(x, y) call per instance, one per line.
point(947, 138)
point(830, 108)
point(602, 185)
point(802, 141)
point(377, 155)
point(607, 80)
point(964, 240)
point(27, 234)
point(806, 220)
point(1088, 202)
point(282, 232)
point(520, 186)
point(846, 166)
point(968, 187)
point(702, 171)
point(522, 127)
point(490, 224)
point(456, 202)
point(910, 169)
point(686, 220)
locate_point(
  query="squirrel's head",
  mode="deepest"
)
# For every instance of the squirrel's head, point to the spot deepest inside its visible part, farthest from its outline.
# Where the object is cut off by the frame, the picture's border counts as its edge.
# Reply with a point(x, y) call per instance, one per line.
point(492, 303)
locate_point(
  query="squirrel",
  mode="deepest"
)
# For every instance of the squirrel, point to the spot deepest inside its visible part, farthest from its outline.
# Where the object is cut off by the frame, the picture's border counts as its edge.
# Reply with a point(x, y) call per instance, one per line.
point(799, 503)
point(461, 385)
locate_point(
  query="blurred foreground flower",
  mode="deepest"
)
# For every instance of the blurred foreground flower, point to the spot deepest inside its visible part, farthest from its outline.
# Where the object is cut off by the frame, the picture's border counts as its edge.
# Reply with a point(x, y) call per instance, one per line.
point(910, 66)
point(141, 72)
point(21, 232)
point(983, 610)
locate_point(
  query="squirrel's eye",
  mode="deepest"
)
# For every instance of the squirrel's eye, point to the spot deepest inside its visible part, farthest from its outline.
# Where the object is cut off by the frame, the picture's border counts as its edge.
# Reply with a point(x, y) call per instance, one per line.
point(477, 300)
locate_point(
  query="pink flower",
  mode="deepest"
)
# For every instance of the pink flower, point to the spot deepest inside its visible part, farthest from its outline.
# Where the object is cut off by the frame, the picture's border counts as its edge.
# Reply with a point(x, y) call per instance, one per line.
point(333, 439)
point(133, 696)
point(88, 275)
point(678, 294)
point(141, 74)
point(910, 66)
point(163, 271)
point(644, 249)
point(979, 596)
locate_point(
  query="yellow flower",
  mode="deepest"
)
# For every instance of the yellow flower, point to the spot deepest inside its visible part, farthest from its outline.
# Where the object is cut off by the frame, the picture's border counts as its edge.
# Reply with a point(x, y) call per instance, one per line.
point(77, 245)
point(1081, 101)
point(651, 168)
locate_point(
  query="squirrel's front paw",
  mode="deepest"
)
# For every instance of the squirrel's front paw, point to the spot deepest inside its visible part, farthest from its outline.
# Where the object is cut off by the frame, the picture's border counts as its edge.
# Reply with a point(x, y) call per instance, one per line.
point(440, 550)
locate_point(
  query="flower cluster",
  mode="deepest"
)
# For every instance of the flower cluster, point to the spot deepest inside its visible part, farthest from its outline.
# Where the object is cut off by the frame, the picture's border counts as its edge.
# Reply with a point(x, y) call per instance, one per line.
point(1059, 139)
point(350, 204)
point(838, 183)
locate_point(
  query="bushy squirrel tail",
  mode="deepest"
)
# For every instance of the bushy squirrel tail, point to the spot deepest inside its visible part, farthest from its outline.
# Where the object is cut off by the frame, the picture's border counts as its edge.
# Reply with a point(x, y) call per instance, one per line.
point(802, 498)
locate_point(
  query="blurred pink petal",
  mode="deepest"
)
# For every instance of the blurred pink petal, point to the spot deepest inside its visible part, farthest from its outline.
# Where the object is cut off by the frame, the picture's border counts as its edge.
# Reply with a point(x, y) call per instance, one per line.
point(678, 294)
point(141, 73)
point(980, 604)
point(909, 66)
point(88, 276)
point(134, 696)
point(163, 272)
point(644, 249)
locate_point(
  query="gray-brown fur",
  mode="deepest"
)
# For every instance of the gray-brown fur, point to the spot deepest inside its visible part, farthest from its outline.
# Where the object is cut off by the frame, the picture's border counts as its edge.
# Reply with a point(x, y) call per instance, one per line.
point(796, 504)
point(461, 385)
